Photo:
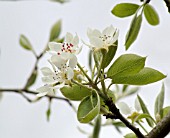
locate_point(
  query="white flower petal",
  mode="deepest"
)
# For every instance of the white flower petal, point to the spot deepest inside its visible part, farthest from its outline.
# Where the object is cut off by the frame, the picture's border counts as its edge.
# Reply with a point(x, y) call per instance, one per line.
point(97, 42)
point(66, 56)
point(109, 31)
point(79, 49)
point(48, 80)
point(46, 71)
point(69, 37)
point(41, 94)
point(44, 90)
point(55, 46)
point(58, 61)
point(137, 105)
point(124, 108)
point(70, 73)
point(75, 40)
point(73, 62)
point(96, 33)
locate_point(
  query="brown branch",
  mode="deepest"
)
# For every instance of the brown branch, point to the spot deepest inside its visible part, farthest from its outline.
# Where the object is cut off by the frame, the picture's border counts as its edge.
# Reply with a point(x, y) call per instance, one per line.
point(117, 115)
point(161, 129)
point(20, 91)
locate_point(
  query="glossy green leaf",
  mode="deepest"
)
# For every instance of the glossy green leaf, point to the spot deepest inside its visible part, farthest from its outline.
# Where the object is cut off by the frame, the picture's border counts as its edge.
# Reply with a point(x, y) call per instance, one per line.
point(159, 101)
point(124, 9)
point(31, 79)
point(125, 65)
point(55, 30)
point(143, 77)
point(130, 135)
point(165, 111)
point(133, 31)
point(89, 108)
point(107, 58)
point(145, 110)
point(142, 116)
point(151, 15)
point(24, 42)
point(97, 127)
point(75, 92)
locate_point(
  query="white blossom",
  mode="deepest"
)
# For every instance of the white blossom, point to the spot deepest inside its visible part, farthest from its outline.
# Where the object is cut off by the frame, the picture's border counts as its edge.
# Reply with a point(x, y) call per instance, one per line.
point(102, 39)
point(70, 45)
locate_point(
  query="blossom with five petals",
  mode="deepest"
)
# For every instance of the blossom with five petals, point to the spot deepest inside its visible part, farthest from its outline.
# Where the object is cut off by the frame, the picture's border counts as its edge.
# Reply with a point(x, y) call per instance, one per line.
point(102, 39)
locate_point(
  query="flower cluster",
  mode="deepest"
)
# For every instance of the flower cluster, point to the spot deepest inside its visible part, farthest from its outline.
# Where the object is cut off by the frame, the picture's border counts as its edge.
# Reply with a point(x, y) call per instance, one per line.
point(63, 61)
point(63, 58)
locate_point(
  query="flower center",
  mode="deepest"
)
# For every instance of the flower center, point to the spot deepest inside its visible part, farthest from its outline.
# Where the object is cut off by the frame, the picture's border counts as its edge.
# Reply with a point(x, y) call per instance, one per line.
point(67, 47)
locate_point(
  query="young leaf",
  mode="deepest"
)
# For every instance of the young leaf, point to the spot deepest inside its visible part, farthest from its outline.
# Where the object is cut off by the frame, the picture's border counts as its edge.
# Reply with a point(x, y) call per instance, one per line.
point(133, 31)
point(24, 42)
point(159, 101)
point(141, 116)
point(125, 65)
point(145, 110)
point(97, 127)
point(107, 58)
point(55, 30)
point(89, 108)
point(165, 111)
point(75, 92)
point(143, 77)
point(151, 15)
point(31, 79)
point(124, 9)
point(130, 135)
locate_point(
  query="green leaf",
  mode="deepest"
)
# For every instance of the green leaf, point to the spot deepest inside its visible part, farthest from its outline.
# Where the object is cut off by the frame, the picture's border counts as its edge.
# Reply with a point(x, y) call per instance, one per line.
point(165, 111)
point(130, 135)
point(151, 15)
point(31, 79)
point(143, 77)
point(89, 108)
point(55, 30)
point(75, 92)
point(24, 42)
point(159, 101)
point(107, 58)
point(124, 9)
point(133, 31)
point(145, 110)
point(118, 124)
point(97, 127)
point(126, 64)
point(142, 116)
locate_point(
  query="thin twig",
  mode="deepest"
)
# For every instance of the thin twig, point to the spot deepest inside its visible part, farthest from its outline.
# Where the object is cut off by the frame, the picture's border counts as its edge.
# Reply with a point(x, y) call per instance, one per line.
point(20, 91)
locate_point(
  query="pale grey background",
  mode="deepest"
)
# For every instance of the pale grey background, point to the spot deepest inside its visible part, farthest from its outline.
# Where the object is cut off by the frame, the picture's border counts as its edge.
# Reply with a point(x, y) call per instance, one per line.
point(20, 119)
